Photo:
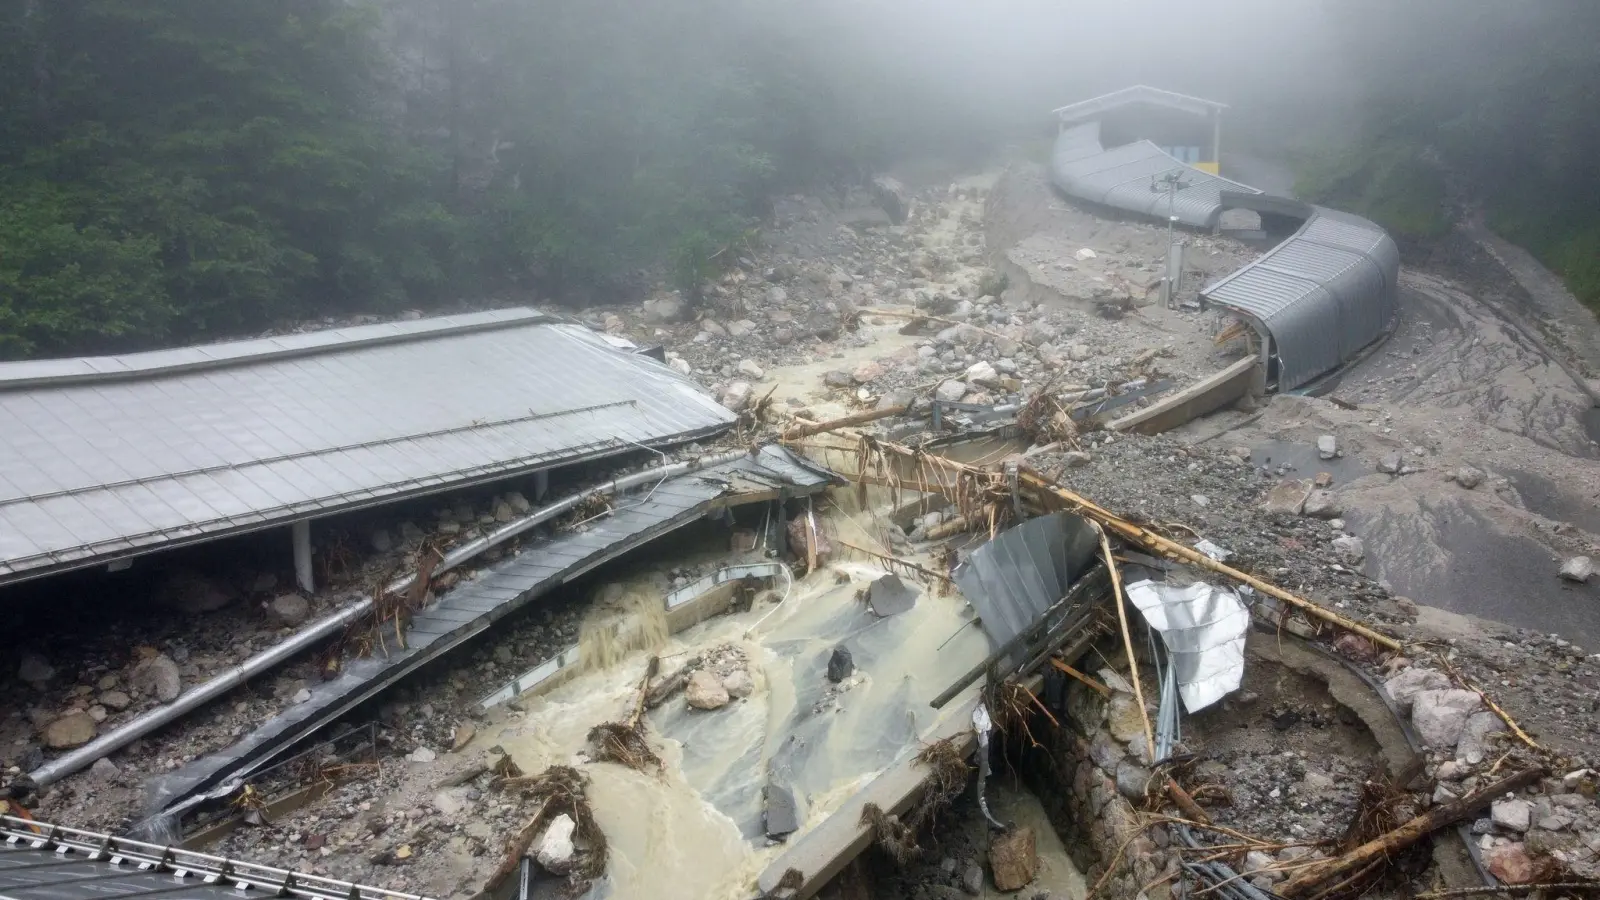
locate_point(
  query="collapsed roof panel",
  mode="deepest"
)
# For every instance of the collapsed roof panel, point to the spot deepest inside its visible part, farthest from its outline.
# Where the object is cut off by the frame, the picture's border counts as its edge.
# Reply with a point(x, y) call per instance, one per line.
point(651, 511)
point(107, 457)
point(1122, 178)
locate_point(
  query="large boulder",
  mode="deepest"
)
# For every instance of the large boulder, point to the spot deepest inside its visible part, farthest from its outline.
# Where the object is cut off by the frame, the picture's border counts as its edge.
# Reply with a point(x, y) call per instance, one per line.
point(665, 308)
point(1014, 859)
point(706, 691)
point(892, 197)
point(1404, 685)
point(1441, 716)
point(556, 849)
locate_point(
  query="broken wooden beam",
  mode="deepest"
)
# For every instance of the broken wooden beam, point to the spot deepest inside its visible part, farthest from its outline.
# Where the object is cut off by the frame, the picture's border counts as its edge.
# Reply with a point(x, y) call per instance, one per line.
point(1156, 543)
point(861, 418)
point(1386, 845)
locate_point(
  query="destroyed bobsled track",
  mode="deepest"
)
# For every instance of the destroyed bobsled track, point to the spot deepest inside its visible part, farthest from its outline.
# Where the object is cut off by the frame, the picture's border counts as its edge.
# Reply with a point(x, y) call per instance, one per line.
point(917, 593)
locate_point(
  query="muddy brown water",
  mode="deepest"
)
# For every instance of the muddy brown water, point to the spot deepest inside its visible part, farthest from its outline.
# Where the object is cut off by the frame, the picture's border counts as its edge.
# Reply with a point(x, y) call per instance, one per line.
point(695, 830)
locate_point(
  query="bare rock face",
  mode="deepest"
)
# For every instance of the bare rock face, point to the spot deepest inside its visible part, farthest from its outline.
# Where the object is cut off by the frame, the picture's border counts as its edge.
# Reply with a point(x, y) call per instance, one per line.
point(1014, 859)
point(157, 677)
point(706, 691)
point(74, 729)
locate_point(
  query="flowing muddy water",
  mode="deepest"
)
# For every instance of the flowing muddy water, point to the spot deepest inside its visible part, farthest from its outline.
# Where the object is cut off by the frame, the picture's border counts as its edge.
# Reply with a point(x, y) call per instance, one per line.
point(696, 829)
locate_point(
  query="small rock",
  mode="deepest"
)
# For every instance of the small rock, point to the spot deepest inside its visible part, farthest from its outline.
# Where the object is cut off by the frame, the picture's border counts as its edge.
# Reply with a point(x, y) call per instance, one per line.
point(555, 846)
point(972, 880)
point(737, 395)
point(1242, 454)
point(1259, 863)
point(1469, 477)
point(35, 670)
point(1510, 863)
point(840, 665)
point(1578, 568)
point(301, 696)
point(839, 379)
point(664, 308)
point(1014, 859)
point(422, 755)
point(1079, 352)
point(463, 736)
point(1322, 505)
point(1083, 254)
point(1287, 497)
point(157, 677)
point(981, 373)
point(1076, 459)
point(519, 503)
point(1472, 747)
point(1327, 446)
point(867, 372)
point(104, 770)
point(1200, 500)
point(448, 802)
point(749, 368)
point(503, 512)
point(1390, 463)
point(1350, 549)
point(705, 691)
point(289, 610)
point(951, 391)
point(1133, 780)
point(116, 701)
point(1315, 782)
point(382, 541)
point(1355, 647)
point(738, 683)
point(1514, 814)
point(74, 729)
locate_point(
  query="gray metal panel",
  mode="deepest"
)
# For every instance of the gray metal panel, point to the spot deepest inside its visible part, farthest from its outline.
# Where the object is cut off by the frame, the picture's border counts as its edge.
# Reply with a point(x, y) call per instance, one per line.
point(1121, 177)
point(1012, 580)
point(180, 444)
point(1323, 294)
point(473, 605)
point(40, 861)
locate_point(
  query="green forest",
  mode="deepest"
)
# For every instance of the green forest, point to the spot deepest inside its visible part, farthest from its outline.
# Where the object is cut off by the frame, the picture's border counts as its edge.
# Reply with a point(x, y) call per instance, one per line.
point(180, 169)
point(1501, 98)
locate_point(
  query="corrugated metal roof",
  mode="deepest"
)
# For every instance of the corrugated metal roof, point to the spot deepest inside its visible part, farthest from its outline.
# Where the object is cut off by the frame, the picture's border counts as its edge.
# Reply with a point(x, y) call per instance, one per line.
point(473, 606)
point(40, 861)
point(1137, 94)
point(1014, 579)
point(1327, 291)
point(112, 456)
point(1122, 177)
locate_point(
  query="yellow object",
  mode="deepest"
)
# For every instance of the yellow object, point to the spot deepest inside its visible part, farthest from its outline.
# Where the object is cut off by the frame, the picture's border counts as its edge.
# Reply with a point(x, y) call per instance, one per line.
point(1209, 168)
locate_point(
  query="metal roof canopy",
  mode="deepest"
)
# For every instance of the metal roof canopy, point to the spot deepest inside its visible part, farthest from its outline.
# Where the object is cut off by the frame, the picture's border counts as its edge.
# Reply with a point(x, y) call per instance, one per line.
point(1326, 292)
point(111, 457)
point(1138, 94)
point(1121, 177)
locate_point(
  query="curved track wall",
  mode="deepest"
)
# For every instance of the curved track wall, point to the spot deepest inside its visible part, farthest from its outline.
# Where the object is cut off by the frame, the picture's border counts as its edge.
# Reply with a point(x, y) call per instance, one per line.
point(1321, 295)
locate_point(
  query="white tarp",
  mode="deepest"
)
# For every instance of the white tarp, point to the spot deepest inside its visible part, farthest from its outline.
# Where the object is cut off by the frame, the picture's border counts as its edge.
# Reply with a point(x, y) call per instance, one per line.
point(1203, 627)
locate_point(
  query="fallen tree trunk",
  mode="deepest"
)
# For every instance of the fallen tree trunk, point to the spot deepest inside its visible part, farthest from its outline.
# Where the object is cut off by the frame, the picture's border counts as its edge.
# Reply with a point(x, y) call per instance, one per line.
point(1152, 541)
point(860, 418)
point(1404, 836)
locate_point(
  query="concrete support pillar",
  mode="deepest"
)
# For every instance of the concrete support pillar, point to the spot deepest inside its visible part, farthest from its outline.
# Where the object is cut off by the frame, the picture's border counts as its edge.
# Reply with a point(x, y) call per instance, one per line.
point(541, 485)
point(300, 533)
